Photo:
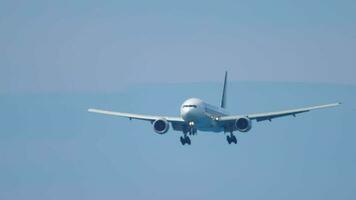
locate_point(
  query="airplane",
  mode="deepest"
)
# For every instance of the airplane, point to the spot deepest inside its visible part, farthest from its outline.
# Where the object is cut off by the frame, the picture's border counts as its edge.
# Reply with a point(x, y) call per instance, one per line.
point(197, 115)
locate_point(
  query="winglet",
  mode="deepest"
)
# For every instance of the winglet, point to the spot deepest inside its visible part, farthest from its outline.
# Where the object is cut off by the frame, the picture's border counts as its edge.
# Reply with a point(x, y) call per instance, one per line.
point(223, 98)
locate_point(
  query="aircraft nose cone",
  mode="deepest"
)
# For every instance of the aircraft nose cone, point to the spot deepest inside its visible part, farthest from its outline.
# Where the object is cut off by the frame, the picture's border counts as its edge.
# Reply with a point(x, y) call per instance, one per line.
point(189, 114)
point(184, 113)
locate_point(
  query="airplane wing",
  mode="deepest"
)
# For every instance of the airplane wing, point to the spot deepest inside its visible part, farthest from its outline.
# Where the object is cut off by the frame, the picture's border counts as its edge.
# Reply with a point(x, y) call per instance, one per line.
point(270, 115)
point(150, 118)
point(178, 123)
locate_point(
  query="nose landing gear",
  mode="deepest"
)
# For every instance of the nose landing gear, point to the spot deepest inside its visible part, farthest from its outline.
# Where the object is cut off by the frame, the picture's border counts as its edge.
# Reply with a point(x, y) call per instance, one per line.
point(193, 131)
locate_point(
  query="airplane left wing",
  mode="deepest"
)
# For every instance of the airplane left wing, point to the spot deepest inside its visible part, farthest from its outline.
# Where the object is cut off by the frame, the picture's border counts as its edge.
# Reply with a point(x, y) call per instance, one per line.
point(270, 115)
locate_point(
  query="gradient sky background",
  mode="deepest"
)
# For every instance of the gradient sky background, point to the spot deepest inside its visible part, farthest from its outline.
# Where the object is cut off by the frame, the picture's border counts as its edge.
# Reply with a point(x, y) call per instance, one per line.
point(60, 57)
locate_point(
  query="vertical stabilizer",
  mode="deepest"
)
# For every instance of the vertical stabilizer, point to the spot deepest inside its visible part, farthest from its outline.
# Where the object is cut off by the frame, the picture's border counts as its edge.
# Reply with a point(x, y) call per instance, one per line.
point(223, 98)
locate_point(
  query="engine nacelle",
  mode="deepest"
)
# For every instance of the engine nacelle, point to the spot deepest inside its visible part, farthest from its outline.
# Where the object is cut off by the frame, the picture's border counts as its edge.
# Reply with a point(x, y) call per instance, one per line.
point(161, 126)
point(243, 124)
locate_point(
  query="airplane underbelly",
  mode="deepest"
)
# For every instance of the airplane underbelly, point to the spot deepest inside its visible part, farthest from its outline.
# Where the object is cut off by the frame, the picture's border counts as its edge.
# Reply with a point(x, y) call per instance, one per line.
point(207, 124)
point(211, 129)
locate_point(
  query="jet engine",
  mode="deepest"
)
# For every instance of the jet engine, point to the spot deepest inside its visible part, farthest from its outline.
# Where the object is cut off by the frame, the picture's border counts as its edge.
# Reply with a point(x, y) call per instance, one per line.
point(161, 126)
point(243, 124)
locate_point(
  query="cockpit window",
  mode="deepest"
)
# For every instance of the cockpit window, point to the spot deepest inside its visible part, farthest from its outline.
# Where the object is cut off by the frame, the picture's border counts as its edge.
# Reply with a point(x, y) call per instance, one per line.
point(189, 106)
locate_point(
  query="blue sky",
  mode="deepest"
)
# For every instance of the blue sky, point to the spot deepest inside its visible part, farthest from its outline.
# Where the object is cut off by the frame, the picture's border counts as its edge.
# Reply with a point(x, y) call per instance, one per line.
point(108, 45)
point(60, 57)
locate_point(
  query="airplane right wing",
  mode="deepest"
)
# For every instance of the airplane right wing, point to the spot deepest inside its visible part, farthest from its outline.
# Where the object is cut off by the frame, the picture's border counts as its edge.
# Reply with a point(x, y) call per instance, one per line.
point(177, 122)
point(136, 116)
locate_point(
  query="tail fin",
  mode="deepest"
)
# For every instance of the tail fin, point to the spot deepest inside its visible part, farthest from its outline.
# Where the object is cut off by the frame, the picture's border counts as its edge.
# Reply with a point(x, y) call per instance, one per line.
point(223, 98)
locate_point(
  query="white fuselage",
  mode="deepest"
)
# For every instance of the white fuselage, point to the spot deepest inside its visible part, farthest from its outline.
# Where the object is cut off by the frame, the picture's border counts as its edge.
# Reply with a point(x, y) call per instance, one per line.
point(202, 115)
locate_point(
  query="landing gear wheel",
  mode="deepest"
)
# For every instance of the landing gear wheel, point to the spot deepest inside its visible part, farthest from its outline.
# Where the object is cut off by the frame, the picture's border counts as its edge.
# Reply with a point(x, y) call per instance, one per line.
point(228, 138)
point(182, 140)
point(187, 140)
point(233, 139)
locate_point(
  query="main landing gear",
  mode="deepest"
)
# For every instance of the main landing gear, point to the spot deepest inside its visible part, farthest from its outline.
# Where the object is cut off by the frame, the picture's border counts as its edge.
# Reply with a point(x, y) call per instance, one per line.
point(185, 140)
point(191, 130)
point(231, 138)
